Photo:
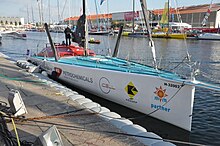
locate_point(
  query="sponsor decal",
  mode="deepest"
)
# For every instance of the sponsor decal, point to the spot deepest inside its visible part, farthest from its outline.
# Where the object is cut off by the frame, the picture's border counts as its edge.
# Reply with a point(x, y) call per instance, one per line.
point(160, 107)
point(160, 96)
point(161, 93)
point(131, 90)
point(58, 71)
point(105, 85)
point(77, 77)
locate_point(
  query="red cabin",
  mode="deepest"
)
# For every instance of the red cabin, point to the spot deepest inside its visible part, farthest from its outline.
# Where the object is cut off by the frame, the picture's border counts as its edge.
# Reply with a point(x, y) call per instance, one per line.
point(64, 51)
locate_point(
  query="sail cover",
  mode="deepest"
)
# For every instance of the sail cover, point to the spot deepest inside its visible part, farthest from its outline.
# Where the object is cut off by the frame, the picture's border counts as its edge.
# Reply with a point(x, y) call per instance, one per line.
point(79, 33)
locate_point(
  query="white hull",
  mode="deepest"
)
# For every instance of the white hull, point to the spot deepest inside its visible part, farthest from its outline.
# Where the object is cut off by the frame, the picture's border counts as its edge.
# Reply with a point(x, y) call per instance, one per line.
point(209, 36)
point(155, 96)
point(14, 34)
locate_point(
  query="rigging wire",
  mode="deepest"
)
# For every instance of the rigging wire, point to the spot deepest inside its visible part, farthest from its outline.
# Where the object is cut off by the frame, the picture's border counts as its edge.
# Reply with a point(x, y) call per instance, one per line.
point(181, 28)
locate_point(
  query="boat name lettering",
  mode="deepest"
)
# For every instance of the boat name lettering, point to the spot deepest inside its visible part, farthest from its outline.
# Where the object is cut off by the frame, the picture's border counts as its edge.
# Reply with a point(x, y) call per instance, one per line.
point(160, 107)
point(80, 77)
point(172, 85)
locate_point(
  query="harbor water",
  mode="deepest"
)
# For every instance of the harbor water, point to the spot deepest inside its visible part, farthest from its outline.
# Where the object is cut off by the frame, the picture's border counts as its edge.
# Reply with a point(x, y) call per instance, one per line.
point(172, 54)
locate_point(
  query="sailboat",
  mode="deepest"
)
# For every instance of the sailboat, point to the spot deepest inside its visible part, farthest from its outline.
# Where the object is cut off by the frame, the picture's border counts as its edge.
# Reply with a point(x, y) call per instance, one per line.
point(166, 32)
point(99, 30)
point(133, 32)
point(208, 36)
point(161, 94)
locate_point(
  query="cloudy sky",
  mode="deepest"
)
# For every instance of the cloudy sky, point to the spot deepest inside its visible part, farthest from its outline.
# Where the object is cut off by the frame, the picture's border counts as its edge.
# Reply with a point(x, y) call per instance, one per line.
point(25, 8)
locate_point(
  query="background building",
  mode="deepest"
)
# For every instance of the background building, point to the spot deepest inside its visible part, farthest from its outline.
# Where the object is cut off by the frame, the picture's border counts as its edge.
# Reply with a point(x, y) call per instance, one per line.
point(11, 21)
point(193, 15)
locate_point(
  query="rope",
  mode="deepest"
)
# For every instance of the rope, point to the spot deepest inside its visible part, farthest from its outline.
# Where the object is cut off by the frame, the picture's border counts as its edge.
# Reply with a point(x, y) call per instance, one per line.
point(16, 133)
point(57, 116)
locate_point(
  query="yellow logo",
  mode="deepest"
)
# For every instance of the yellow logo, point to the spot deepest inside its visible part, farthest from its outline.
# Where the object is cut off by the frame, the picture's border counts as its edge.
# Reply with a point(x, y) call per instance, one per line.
point(131, 90)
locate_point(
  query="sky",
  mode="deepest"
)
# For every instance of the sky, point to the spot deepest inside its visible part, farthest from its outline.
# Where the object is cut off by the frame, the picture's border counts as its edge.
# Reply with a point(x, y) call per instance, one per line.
point(29, 9)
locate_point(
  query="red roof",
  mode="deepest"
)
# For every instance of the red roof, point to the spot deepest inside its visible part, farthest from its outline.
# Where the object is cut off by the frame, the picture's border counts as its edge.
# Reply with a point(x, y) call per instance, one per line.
point(190, 9)
point(91, 17)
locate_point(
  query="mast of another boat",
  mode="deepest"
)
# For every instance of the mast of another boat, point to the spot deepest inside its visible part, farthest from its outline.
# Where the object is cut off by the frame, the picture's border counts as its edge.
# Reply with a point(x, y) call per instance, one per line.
point(97, 19)
point(168, 17)
point(84, 44)
point(133, 16)
point(151, 42)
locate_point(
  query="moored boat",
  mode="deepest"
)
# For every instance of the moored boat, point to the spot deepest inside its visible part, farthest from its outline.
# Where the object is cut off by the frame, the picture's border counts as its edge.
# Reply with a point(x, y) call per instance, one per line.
point(93, 41)
point(165, 30)
point(158, 93)
point(170, 35)
point(15, 34)
point(0, 38)
point(99, 32)
point(208, 36)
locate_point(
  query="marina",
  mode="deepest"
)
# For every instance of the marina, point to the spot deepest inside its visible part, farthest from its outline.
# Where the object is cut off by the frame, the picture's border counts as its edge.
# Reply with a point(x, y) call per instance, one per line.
point(155, 80)
point(205, 100)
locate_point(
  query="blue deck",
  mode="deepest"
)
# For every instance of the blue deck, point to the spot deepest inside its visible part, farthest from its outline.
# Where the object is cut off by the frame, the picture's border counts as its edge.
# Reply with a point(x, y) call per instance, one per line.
point(116, 64)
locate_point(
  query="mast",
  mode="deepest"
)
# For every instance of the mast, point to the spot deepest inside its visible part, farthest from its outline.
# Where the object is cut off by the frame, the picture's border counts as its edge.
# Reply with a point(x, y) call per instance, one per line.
point(133, 16)
point(168, 17)
point(42, 12)
point(27, 15)
point(84, 28)
point(58, 11)
point(39, 8)
point(115, 53)
point(51, 43)
point(151, 42)
point(32, 13)
point(97, 19)
point(49, 11)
